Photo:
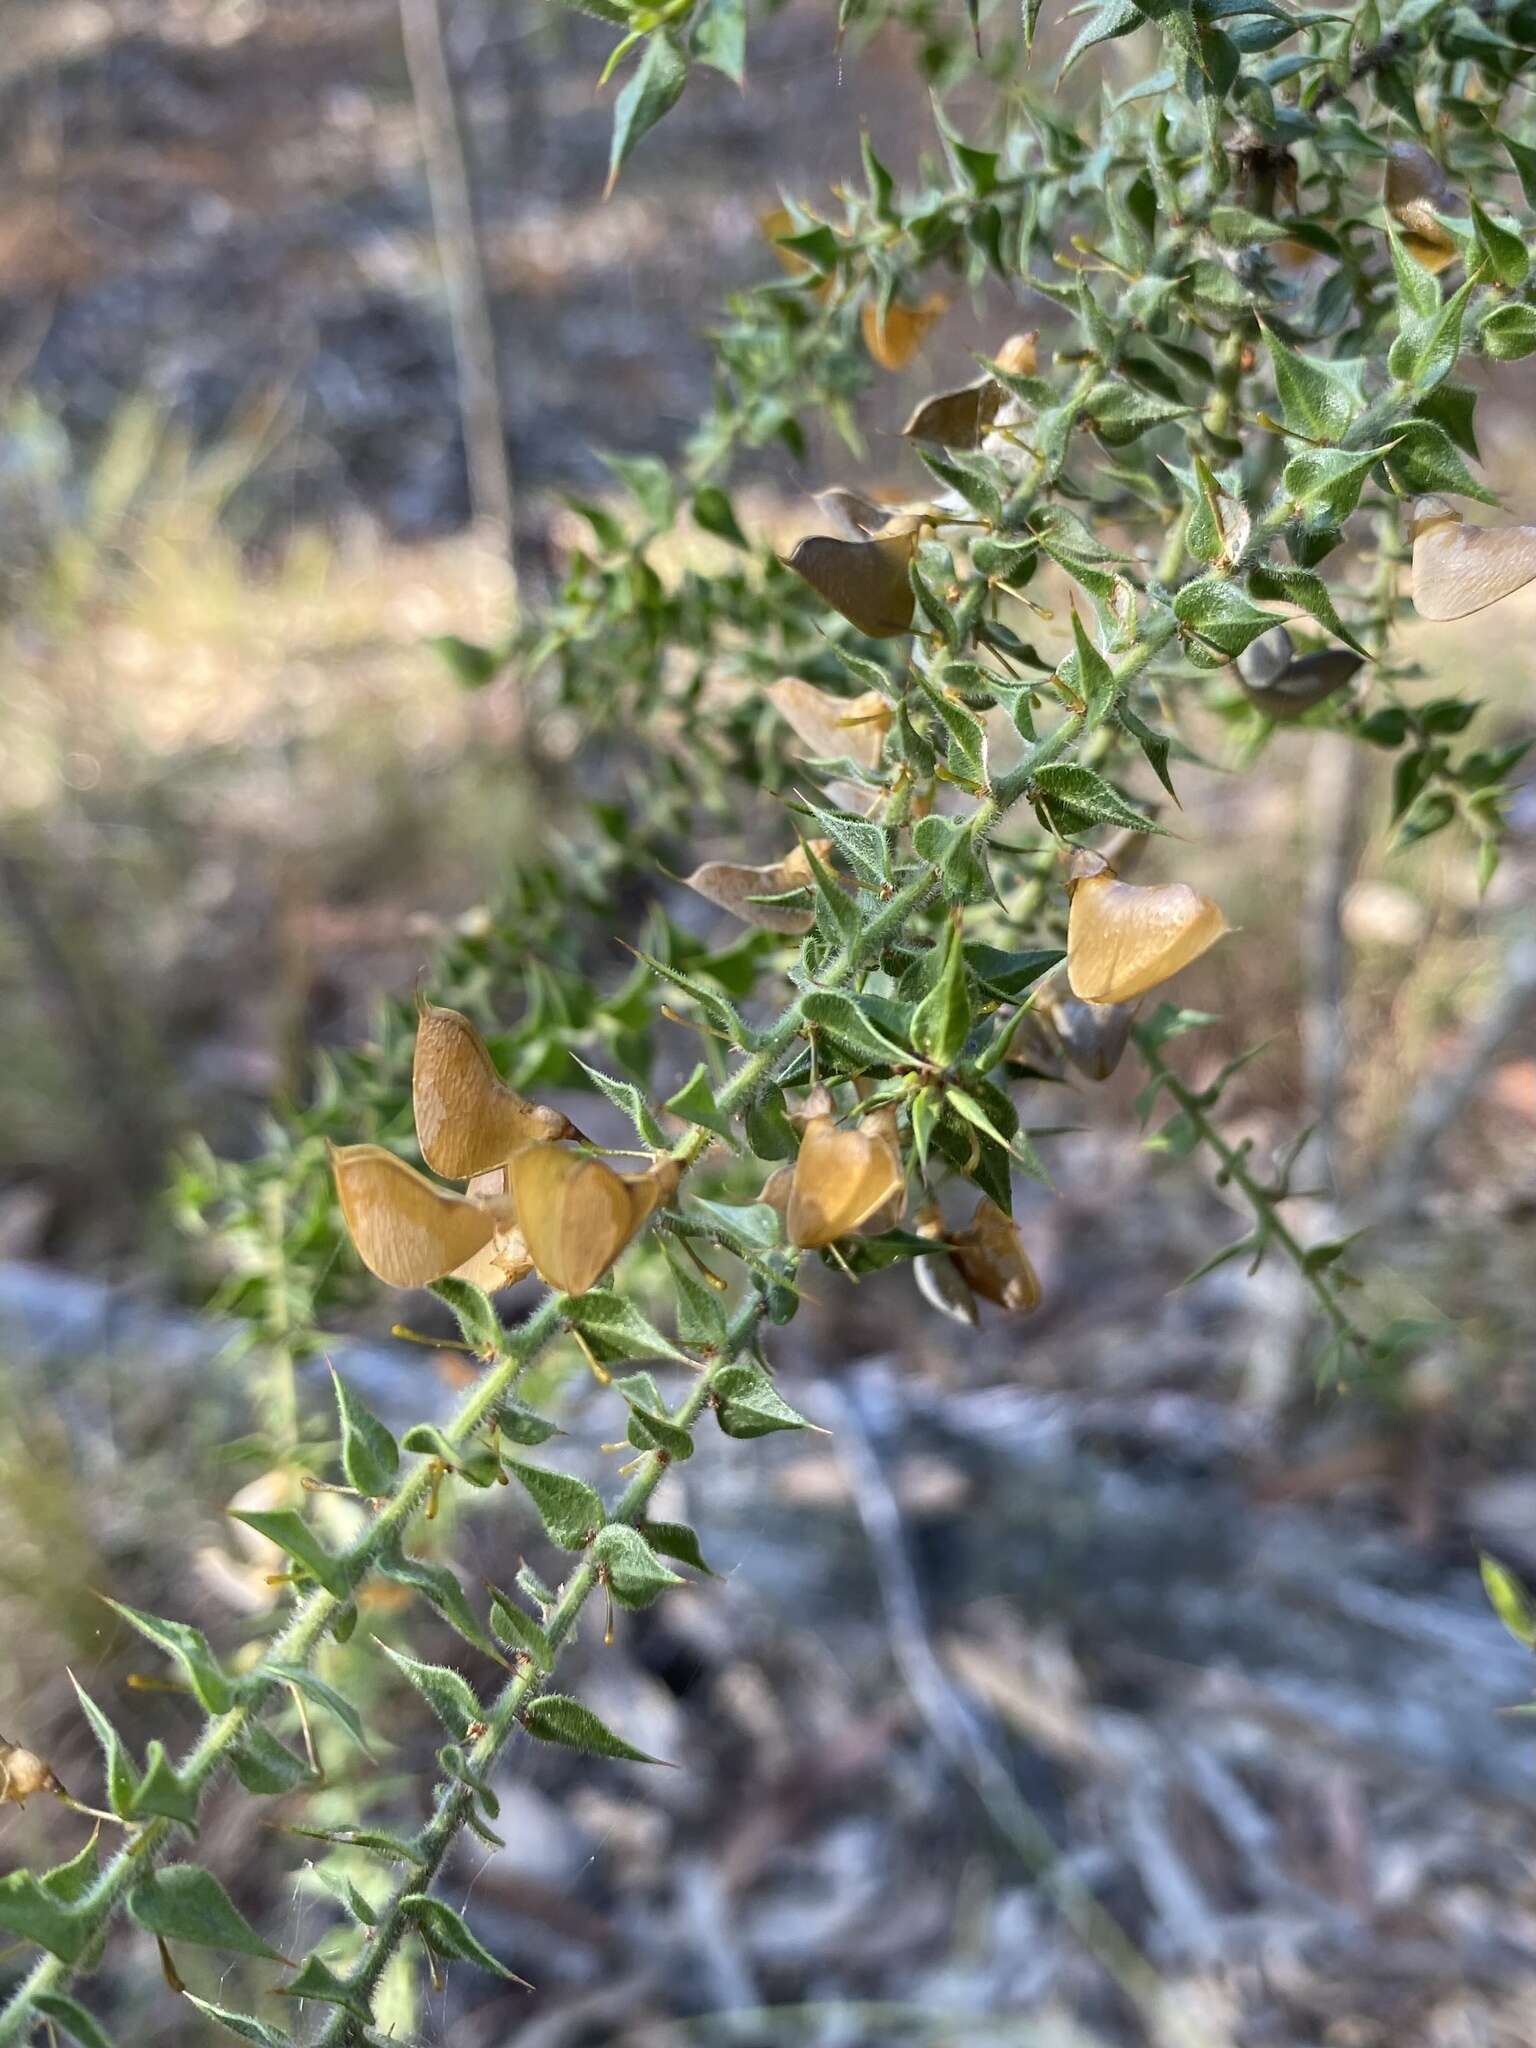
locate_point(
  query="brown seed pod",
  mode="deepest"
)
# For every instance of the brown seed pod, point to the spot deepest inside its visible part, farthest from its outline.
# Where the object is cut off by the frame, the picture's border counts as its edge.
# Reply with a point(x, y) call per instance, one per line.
point(1460, 569)
point(23, 1774)
point(407, 1230)
point(738, 889)
point(856, 517)
point(834, 727)
point(866, 580)
point(956, 419)
point(939, 1280)
point(1124, 939)
point(1092, 1035)
point(467, 1118)
point(1285, 685)
point(1417, 191)
point(991, 1255)
point(842, 1179)
point(894, 337)
point(576, 1214)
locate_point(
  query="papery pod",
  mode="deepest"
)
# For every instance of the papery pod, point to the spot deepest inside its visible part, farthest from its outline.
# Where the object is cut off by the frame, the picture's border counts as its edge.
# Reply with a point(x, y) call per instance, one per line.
point(246, 1581)
point(859, 518)
point(1092, 1035)
point(467, 1118)
point(832, 727)
point(1460, 569)
point(881, 1126)
point(408, 1231)
point(23, 1774)
point(776, 1190)
point(1284, 685)
point(956, 419)
point(894, 336)
point(1124, 938)
point(737, 889)
point(841, 1178)
point(1019, 354)
point(576, 1214)
point(1416, 190)
point(866, 580)
point(939, 1280)
point(991, 1255)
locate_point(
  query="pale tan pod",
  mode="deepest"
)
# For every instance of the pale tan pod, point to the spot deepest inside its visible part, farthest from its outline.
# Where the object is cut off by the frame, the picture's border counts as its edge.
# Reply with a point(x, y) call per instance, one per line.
point(737, 889)
point(1416, 190)
point(23, 1774)
point(894, 337)
point(856, 517)
point(833, 727)
point(866, 580)
point(882, 1127)
point(1460, 569)
point(501, 1263)
point(1019, 355)
point(407, 1230)
point(575, 1214)
point(940, 1281)
point(841, 1179)
point(991, 1255)
point(1124, 939)
point(467, 1118)
point(775, 1190)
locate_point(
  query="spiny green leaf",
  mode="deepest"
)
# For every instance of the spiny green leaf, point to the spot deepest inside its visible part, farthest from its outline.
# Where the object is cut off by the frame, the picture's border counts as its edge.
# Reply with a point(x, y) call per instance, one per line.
point(1329, 479)
point(941, 1022)
point(370, 1456)
point(571, 1511)
point(748, 1228)
point(446, 1931)
point(316, 1979)
point(290, 1532)
point(847, 1026)
point(615, 1330)
point(676, 1540)
point(245, 2026)
point(748, 1404)
point(557, 1718)
point(74, 2019)
point(1066, 786)
point(1320, 400)
point(263, 1764)
point(626, 1096)
point(446, 1692)
point(316, 1690)
point(162, 1791)
point(69, 1881)
point(472, 1310)
point(181, 1902)
point(695, 1102)
point(437, 1584)
point(651, 1427)
point(189, 1646)
point(519, 1631)
point(27, 1909)
point(700, 1314)
point(476, 1462)
point(653, 90)
point(120, 1775)
point(635, 1573)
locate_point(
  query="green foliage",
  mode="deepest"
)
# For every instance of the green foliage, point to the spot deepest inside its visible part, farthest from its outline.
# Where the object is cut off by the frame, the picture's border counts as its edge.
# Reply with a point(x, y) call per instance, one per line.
point(1244, 368)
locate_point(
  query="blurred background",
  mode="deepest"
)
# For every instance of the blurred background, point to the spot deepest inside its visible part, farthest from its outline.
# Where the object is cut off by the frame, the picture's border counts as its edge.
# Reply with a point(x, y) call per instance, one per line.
point(1098, 1679)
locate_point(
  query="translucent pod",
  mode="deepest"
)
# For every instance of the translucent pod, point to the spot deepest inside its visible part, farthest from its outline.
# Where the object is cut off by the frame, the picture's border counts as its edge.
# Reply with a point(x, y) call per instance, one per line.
point(575, 1214)
point(834, 727)
point(1124, 938)
point(467, 1118)
point(1460, 569)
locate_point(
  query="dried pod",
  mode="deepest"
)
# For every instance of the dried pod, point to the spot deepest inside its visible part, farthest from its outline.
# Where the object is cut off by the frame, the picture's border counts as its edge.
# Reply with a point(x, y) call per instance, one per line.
point(859, 518)
point(1019, 355)
point(1417, 191)
point(501, 1263)
point(881, 1125)
point(23, 1774)
point(1265, 660)
point(1123, 939)
point(576, 1214)
point(834, 727)
point(776, 1188)
point(467, 1118)
point(1304, 685)
point(956, 419)
point(893, 337)
point(739, 889)
point(1460, 569)
point(991, 1255)
point(1092, 1035)
point(407, 1230)
point(940, 1281)
point(842, 1178)
point(866, 580)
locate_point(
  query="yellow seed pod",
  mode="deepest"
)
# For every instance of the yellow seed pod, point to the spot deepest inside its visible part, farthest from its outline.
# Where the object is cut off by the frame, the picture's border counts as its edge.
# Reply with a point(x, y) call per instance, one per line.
point(881, 1125)
point(407, 1230)
point(833, 726)
point(1019, 355)
point(1124, 939)
point(23, 1774)
point(991, 1255)
point(866, 580)
point(940, 1281)
point(842, 1179)
point(575, 1214)
point(737, 889)
point(1460, 569)
point(776, 1189)
point(894, 337)
point(1417, 192)
point(467, 1118)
